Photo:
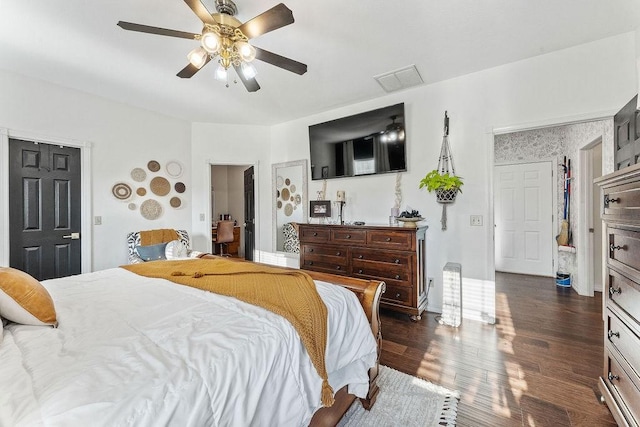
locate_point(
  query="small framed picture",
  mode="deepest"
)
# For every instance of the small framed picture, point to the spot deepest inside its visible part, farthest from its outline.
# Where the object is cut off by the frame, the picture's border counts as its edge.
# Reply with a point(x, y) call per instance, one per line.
point(320, 209)
point(325, 171)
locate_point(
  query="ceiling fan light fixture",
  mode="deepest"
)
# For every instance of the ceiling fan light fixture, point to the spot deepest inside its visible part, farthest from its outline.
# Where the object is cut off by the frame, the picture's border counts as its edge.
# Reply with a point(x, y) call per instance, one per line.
point(198, 57)
point(211, 41)
point(221, 73)
point(246, 52)
point(248, 70)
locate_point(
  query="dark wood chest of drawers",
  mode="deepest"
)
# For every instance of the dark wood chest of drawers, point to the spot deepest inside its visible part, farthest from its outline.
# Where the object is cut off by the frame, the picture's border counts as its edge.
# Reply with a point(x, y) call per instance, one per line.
point(395, 255)
point(620, 383)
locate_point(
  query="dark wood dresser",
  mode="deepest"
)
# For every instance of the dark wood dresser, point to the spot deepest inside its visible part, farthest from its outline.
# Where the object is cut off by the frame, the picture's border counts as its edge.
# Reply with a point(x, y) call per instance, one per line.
point(620, 383)
point(395, 255)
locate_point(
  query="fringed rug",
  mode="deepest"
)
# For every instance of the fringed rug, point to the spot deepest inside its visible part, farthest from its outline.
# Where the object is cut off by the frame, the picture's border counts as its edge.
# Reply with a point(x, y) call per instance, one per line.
point(405, 401)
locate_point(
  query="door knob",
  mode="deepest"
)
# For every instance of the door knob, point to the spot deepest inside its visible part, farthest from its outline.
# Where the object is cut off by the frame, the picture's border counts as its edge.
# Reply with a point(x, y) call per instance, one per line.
point(72, 236)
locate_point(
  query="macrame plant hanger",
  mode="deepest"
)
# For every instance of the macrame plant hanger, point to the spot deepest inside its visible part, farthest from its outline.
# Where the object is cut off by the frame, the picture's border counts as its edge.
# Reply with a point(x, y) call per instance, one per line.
point(445, 165)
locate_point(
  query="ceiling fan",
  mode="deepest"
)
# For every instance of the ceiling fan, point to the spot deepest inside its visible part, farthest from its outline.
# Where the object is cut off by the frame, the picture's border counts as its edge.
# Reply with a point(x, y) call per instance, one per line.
point(226, 38)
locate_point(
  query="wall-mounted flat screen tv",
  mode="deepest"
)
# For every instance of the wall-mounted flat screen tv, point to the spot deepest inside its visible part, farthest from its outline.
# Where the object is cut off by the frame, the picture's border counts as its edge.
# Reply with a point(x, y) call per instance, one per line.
point(363, 144)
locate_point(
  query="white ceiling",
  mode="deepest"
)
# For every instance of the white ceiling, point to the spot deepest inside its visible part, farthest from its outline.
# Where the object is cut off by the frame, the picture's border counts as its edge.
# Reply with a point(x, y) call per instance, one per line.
point(76, 43)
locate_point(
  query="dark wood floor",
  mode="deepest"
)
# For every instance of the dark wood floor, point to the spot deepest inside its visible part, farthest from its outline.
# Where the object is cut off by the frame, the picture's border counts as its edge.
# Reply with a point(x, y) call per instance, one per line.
point(537, 366)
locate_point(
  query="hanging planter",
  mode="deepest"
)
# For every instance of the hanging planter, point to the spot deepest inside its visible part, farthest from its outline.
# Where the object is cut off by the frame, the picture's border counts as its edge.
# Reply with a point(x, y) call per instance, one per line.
point(443, 180)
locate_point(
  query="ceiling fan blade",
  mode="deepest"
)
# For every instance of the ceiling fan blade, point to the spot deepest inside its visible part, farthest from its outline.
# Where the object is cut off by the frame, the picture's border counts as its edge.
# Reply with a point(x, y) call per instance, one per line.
point(251, 84)
point(202, 12)
point(155, 30)
point(274, 18)
point(188, 71)
point(281, 61)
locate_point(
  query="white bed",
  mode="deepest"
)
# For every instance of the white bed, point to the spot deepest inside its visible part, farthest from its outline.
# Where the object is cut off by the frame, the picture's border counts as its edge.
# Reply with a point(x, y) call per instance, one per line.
point(135, 351)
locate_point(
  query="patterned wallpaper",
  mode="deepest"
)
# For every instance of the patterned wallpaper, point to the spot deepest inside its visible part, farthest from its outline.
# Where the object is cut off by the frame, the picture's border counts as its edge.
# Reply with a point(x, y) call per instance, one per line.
point(556, 142)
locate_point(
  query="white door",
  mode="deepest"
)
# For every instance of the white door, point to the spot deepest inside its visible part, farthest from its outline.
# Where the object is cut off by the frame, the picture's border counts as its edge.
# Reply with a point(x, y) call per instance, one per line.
point(524, 238)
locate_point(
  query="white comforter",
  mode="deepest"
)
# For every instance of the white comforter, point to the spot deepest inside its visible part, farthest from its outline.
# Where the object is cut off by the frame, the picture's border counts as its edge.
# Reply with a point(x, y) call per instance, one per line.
point(135, 351)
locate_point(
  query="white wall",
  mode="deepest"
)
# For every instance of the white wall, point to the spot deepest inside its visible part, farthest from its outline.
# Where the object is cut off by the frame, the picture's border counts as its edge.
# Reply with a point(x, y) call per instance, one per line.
point(231, 145)
point(122, 138)
point(587, 79)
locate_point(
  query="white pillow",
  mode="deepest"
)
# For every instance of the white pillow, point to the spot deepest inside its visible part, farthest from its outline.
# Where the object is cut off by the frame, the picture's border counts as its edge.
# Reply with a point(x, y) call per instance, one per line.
point(175, 249)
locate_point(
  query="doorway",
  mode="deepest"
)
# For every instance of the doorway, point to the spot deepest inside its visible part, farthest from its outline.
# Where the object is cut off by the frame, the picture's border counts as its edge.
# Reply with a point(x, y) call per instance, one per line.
point(229, 199)
point(45, 209)
point(591, 158)
point(523, 206)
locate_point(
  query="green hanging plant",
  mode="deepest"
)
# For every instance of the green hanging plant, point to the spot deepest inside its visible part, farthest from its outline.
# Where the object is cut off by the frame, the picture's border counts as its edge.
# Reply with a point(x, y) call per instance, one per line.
point(434, 181)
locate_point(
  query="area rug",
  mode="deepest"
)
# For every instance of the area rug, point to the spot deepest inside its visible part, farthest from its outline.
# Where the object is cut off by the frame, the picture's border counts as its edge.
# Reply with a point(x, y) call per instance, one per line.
point(405, 401)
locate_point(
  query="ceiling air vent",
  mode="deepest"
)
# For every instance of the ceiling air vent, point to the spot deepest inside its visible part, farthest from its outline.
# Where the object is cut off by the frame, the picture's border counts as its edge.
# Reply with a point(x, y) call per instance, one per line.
point(399, 79)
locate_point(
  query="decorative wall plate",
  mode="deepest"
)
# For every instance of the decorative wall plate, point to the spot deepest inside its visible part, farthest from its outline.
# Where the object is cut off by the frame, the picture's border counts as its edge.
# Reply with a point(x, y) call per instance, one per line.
point(153, 166)
point(175, 202)
point(174, 169)
point(141, 191)
point(180, 187)
point(151, 209)
point(285, 194)
point(279, 181)
point(121, 191)
point(288, 209)
point(132, 206)
point(160, 186)
point(138, 174)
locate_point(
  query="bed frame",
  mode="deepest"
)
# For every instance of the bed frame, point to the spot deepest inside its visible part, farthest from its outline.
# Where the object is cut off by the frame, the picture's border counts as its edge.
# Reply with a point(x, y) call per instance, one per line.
point(369, 293)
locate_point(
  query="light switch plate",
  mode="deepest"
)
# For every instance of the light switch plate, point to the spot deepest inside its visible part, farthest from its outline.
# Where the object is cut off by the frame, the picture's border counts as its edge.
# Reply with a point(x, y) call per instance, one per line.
point(476, 220)
point(97, 220)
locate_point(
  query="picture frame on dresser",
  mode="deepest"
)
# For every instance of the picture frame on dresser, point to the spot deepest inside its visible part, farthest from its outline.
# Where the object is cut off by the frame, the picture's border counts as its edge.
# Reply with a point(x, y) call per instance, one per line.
point(320, 209)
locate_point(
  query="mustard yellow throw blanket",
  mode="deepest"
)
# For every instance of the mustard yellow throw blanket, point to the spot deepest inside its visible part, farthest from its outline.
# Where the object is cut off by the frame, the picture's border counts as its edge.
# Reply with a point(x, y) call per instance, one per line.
point(288, 293)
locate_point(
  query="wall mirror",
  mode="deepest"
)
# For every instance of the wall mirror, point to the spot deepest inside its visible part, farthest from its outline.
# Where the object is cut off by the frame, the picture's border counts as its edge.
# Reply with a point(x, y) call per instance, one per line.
point(290, 200)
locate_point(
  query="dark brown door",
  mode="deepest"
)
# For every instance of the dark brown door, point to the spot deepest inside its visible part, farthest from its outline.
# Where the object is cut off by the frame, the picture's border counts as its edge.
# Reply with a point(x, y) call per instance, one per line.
point(249, 215)
point(45, 208)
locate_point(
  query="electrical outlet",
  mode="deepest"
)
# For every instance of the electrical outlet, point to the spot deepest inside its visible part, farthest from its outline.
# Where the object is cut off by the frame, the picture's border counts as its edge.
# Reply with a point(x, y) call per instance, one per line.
point(201, 217)
point(430, 280)
point(97, 220)
point(476, 220)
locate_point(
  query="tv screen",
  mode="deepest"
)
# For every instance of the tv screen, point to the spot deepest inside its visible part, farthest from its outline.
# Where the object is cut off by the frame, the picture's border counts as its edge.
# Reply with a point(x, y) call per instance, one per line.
point(363, 144)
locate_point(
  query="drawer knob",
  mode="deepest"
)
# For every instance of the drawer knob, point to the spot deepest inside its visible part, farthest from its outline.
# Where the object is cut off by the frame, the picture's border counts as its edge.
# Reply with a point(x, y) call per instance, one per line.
point(612, 334)
point(613, 291)
point(360, 271)
point(360, 257)
point(310, 263)
point(338, 253)
point(612, 377)
point(607, 200)
point(310, 249)
point(338, 267)
point(398, 295)
point(348, 236)
point(612, 247)
point(397, 261)
point(397, 276)
point(315, 234)
point(388, 239)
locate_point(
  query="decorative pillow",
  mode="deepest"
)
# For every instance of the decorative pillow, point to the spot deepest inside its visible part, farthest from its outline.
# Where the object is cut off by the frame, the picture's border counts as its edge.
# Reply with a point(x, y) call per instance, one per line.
point(175, 250)
point(151, 252)
point(24, 300)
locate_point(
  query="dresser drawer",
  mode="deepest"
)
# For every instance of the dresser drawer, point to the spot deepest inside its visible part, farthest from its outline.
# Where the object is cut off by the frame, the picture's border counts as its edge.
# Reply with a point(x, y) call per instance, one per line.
point(348, 236)
point(324, 265)
point(390, 239)
point(398, 294)
point(386, 257)
point(319, 234)
point(617, 379)
point(624, 250)
point(391, 274)
point(624, 294)
point(624, 341)
point(622, 201)
point(324, 250)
